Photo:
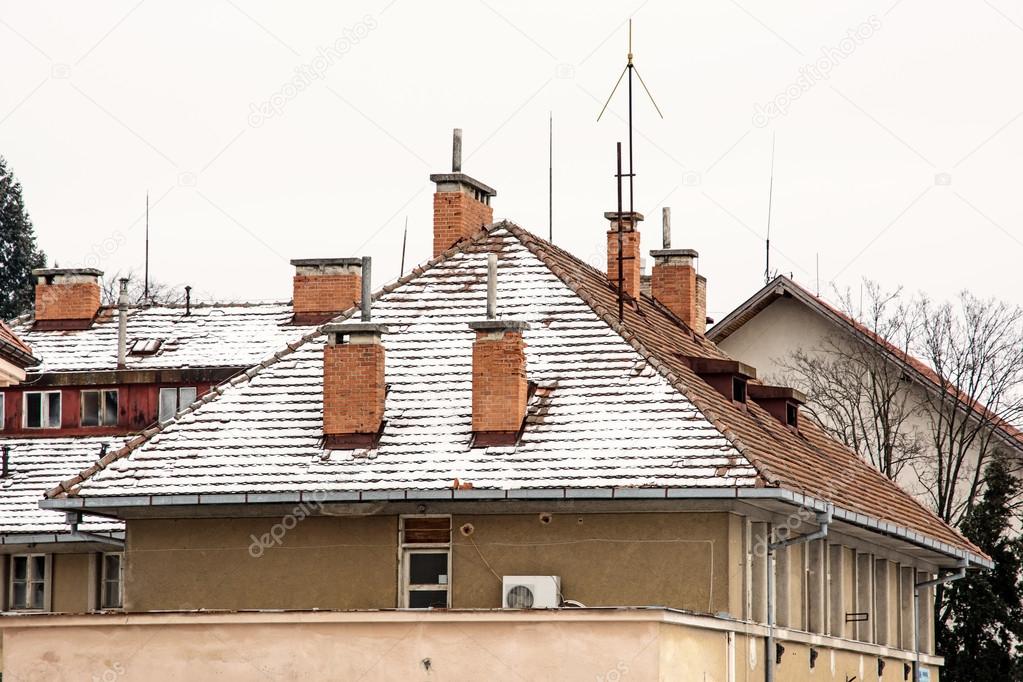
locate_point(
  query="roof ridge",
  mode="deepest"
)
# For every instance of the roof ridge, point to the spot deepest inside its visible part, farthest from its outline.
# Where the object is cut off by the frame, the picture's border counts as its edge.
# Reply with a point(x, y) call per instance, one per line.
point(531, 241)
point(66, 486)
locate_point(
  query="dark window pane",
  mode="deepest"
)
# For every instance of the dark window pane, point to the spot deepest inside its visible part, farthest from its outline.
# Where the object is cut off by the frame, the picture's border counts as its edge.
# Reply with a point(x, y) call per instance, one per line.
point(34, 407)
point(428, 569)
point(20, 568)
point(424, 599)
point(109, 408)
point(38, 567)
point(90, 408)
point(20, 595)
point(38, 590)
point(53, 418)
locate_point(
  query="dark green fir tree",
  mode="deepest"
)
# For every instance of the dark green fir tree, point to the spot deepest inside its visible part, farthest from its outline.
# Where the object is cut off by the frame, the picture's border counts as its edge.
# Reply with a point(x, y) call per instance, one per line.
point(981, 618)
point(18, 251)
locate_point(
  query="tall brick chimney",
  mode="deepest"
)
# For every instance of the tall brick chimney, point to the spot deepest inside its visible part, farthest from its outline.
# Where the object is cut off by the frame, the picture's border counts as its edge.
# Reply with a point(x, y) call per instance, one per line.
point(325, 288)
point(631, 264)
point(461, 204)
point(66, 298)
point(499, 385)
point(354, 388)
point(675, 283)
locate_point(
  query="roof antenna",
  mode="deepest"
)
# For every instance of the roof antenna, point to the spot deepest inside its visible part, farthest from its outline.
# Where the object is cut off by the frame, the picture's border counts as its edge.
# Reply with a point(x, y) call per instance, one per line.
point(770, 200)
point(404, 243)
point(621, 275)
point(550, 177)
point(630, 68)
point(145, 285)
point(818, 258)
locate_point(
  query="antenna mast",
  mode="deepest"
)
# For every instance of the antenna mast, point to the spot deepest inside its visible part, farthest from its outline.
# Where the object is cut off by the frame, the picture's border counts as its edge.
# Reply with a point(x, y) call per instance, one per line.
point(550, 178)
point(770, 200)
point(621, 275)
point(145, 285)
point(404, 242)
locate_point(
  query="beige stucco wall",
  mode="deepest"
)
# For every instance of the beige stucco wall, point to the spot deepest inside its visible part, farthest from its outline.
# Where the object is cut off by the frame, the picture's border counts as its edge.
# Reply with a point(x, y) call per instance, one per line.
point(579, 644)
point(671, 559)
point(72, 582)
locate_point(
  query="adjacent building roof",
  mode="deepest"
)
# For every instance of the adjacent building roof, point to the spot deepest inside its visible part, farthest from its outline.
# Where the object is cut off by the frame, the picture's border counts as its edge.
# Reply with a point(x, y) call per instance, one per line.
point(35, 464)
point(784, 287)
point(13, 349)
point(617, 408)
point(164, 337)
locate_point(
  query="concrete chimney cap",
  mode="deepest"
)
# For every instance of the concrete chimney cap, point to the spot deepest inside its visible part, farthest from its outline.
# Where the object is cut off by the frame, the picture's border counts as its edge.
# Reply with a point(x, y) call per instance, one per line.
point(346, 328)
point(668, 254)
point(447, 182)
point(315, 262)
point(499, 325)
point(50, 272)
point(633, 216)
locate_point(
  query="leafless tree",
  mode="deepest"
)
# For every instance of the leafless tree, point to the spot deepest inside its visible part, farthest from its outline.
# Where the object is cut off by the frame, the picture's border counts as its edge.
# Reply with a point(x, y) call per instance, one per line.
point(159, 292)
point(855, 390)
point(976, 349)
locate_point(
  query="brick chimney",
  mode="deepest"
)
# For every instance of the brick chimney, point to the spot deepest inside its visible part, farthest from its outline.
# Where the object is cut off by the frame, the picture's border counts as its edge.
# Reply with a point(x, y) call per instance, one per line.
point(499, 386)
point(461, 204)
point(675, 284)
point(631, 265)
point(325, 288)
point(354, 389)
point(66, 298)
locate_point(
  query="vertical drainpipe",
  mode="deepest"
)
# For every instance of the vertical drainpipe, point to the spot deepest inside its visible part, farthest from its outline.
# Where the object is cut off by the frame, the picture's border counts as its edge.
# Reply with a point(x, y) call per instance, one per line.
point(823, 521)
point(950, 577)
point(122, 325)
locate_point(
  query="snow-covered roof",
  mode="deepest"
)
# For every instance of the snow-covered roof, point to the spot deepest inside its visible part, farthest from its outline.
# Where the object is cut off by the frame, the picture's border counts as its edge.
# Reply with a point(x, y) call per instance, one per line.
point(210, 335)
point(617, 406)
point(36, 464)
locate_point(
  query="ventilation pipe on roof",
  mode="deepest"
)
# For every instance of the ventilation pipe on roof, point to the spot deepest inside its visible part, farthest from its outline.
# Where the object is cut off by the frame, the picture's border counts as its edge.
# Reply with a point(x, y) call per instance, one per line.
point(958, 574)
point(5, 466)
point(122, 325)
point(770, 653)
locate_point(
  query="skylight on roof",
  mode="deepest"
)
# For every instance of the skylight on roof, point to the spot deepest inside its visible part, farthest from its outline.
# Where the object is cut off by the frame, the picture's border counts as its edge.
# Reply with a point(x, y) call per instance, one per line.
point(145, 346)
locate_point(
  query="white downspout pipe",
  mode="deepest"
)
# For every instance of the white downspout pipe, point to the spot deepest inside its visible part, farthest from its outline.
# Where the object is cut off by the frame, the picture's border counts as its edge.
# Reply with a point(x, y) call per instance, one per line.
point(823, 521)
point(959, 574)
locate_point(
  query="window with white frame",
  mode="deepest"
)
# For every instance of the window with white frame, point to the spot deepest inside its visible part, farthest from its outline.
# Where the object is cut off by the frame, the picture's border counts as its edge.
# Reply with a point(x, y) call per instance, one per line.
point(42, 410)
point(99, 408)
point(425, 561)
point(111, 580)
point(29, 582)
point(173, 400)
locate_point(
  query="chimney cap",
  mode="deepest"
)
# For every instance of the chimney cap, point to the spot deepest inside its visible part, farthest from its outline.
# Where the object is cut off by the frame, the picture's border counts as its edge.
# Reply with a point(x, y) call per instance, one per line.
point(668, 254)
point(462, 179)
point(49, 272)
point(345, 328)
point(498, 325)
point(314, 262)
point(630, 216)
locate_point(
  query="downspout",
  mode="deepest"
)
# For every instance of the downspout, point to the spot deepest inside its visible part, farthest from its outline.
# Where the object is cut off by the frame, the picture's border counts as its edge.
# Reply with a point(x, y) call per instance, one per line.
point(74, 518)
point(959, 574)
point(823, 520)
point(122, 325)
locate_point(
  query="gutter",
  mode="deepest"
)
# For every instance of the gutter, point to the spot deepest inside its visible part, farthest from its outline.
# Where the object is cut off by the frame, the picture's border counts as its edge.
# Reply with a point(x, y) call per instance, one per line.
point(54, 538)
point(770, 655)
point(959, 574)
point(74, 518)
point(887, 528)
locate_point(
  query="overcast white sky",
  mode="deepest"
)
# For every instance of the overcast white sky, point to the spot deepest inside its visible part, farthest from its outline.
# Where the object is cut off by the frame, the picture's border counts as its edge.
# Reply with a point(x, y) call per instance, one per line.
point(898, 151)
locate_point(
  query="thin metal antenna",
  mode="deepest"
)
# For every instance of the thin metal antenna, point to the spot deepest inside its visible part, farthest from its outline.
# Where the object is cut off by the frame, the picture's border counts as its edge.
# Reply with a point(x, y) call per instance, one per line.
point(404, 243)
point(550, 178)
point(145, 285)
point(770, 201)
point(621, 276)
point(630, 68)
point(818, 257)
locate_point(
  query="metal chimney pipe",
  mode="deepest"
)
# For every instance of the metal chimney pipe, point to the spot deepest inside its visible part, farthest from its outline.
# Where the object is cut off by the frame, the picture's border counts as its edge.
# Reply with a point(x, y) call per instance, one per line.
point(6, 466)
point(188, 300)
point(122, 325)
point(666, 227)
point(492, 286)
point(365, 301)
point(456, 152)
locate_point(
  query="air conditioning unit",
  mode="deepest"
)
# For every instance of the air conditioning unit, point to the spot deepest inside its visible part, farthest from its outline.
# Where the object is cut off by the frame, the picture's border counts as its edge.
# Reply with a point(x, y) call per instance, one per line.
point(531, 592)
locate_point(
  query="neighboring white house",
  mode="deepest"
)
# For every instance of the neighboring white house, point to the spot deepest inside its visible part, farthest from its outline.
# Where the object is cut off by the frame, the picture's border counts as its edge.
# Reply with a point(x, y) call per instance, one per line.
point(783, 317)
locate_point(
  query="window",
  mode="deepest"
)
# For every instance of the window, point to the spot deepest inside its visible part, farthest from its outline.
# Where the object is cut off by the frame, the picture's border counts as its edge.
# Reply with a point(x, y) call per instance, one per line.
point(425, 561)
point(739, 389)
point(145, 346)
point(111, 596)
point(99, 408)
point(2, 415)
point(792, 414)
point(28, 582)
point(173, 400)
point(42, 410)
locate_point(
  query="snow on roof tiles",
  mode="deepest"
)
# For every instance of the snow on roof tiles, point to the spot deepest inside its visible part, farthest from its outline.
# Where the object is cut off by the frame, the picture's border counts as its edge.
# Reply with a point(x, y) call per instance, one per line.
point(36, 464)
point(213, 335)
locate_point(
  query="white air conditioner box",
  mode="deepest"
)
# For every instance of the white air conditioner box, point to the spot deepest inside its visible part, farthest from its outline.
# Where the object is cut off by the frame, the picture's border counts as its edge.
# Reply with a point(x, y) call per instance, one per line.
point(531, 592)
